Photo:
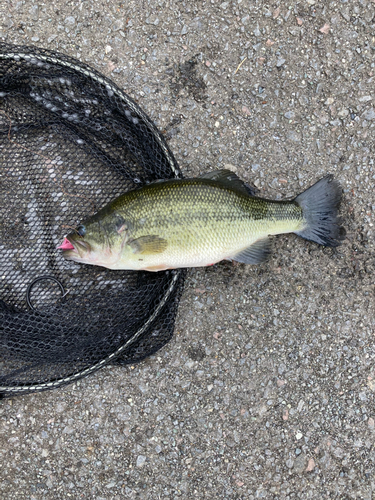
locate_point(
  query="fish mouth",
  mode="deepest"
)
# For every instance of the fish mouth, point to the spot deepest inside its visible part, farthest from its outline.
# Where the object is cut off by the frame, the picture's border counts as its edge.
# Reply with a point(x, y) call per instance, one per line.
point(73, 249)
point(65, 245)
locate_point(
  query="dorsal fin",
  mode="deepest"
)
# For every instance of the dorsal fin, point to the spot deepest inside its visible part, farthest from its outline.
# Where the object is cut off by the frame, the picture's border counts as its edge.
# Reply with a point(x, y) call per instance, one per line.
point(229, 179)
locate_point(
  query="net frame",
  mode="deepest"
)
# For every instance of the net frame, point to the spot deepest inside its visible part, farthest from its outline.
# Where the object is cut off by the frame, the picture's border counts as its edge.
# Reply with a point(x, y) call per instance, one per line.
point(173, 280)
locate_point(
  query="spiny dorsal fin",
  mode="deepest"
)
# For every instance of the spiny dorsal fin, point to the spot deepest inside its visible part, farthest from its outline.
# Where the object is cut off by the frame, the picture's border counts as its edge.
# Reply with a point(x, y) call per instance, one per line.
point(229, 179)
point(256, 253)
point(149, 244)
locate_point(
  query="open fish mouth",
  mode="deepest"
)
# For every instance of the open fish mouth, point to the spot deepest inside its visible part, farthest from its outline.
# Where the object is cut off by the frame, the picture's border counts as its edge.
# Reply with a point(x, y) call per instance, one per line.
point(66, 245)
point(75, 248)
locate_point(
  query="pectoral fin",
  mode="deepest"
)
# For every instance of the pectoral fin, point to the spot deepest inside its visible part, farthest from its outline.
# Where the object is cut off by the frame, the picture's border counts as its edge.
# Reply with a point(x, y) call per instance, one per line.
point(255, 254)
point(149, 244)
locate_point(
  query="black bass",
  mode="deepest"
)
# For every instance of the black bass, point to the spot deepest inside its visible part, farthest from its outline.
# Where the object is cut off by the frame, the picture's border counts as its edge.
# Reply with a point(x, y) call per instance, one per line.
point(198, 222)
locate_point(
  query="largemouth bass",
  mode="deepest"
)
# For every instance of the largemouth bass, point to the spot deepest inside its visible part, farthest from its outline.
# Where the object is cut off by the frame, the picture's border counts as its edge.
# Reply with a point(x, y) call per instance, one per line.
point(198, 222)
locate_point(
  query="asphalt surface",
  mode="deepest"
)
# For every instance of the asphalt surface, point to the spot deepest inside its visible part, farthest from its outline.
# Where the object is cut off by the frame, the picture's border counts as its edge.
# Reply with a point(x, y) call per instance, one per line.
point(267, 388)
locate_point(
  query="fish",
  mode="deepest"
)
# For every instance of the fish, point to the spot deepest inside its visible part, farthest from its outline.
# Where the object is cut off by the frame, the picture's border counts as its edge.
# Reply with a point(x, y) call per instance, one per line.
point(180, 223)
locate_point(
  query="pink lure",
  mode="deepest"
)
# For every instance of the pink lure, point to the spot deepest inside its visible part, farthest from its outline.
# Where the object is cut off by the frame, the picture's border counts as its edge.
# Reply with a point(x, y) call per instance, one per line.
point(66, 245)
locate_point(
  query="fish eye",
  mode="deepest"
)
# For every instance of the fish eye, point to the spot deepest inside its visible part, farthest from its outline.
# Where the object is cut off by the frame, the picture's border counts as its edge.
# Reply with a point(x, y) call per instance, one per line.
point(81, 230)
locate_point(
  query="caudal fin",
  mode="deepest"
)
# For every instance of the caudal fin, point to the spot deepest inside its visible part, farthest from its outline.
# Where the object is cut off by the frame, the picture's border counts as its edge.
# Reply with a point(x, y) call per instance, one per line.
point(320, 204)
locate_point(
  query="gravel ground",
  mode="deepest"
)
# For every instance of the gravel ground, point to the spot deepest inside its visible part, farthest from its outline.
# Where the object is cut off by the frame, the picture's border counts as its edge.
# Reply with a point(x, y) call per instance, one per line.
point(267, 389)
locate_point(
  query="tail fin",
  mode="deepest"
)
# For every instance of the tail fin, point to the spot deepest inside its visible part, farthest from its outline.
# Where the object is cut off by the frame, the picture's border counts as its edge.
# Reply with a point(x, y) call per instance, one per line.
point(320, 204)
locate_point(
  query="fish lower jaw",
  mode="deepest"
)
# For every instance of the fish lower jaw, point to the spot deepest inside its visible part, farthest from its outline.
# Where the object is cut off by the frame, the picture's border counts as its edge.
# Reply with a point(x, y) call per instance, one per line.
point(70, 254)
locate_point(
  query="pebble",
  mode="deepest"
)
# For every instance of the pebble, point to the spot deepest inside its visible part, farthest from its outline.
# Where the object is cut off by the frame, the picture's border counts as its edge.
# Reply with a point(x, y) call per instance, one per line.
point(365, 98)
point(343, 113)
point(294, 136)
point(310, 465)
point(141, 460)
point(369, 115)
point(118, 25)
point(34, 12)
point(70, 20)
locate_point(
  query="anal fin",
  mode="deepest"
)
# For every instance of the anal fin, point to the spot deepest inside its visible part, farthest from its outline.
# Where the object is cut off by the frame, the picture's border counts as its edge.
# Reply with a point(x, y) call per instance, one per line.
point(256, 253)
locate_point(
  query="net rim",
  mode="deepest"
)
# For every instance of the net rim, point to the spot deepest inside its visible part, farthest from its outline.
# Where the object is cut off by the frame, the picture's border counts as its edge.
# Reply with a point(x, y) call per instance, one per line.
point(35, 54)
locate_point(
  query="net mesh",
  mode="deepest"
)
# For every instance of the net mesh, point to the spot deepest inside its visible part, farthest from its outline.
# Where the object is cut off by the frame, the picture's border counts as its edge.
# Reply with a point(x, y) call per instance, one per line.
point(70, 142)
